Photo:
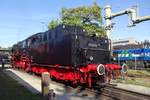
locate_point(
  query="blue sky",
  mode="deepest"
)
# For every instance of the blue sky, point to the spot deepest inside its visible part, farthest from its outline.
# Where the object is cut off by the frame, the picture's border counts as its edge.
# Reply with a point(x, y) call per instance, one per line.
point(22, 18)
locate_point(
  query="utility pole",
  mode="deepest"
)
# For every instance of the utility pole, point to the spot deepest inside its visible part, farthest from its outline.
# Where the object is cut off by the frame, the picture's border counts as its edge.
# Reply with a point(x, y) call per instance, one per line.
point(43, 25)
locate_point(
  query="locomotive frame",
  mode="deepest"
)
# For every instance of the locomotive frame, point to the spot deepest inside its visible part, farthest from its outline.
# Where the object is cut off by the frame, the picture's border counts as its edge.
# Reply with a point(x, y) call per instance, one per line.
point(68, 54)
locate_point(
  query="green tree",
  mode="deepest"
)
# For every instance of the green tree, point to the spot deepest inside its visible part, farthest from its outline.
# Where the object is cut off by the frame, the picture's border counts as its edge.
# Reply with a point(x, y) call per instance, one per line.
point(88, 17)
point(53, 24)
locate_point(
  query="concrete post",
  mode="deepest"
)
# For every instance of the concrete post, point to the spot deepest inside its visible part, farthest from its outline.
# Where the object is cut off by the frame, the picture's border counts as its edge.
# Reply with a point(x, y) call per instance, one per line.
point(45, 79)
point(108, 20)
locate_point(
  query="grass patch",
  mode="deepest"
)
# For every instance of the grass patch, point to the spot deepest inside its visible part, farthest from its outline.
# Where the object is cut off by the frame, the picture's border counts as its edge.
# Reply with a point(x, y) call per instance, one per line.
point(135, 77)
point(138, 73)
point(12, 90)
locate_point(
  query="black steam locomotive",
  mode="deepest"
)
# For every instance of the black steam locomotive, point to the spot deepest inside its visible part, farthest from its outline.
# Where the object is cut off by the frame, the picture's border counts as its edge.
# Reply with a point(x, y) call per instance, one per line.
point(68, 53)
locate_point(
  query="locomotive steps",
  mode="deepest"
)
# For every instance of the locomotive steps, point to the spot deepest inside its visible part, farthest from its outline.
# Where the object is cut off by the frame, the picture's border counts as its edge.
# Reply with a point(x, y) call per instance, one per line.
point(33, 83)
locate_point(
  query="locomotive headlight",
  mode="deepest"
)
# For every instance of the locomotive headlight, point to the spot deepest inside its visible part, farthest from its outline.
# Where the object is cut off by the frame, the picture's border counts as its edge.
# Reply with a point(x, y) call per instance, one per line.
point(101, 69)
point(124, 68)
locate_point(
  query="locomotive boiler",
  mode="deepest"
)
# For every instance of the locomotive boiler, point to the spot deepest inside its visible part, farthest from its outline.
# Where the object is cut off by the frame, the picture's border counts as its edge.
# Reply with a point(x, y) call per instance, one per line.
point(67, 53)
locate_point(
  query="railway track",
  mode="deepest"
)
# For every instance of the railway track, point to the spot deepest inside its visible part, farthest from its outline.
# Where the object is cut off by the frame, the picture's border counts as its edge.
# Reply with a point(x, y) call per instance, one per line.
point(122, 94)
point(113, 93)
point(110, 92)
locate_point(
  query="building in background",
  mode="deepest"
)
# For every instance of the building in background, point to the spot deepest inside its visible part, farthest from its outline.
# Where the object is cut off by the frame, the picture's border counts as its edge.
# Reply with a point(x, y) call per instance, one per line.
point(135, 54)
point(129, 43)
point(138, 58)
point(126, 41)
